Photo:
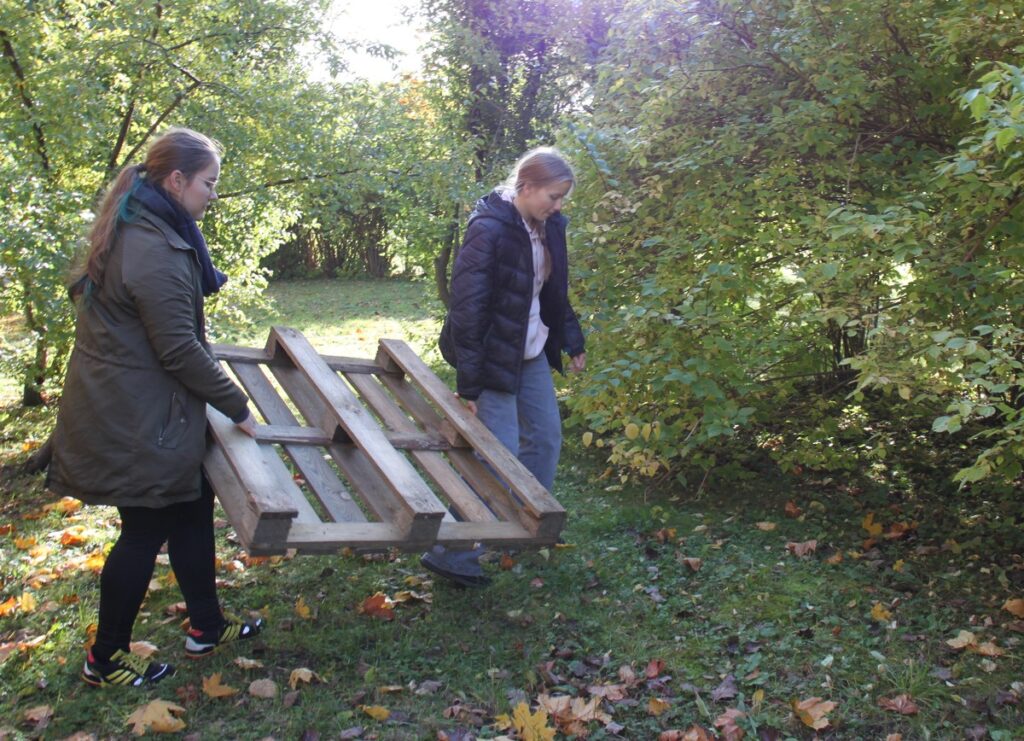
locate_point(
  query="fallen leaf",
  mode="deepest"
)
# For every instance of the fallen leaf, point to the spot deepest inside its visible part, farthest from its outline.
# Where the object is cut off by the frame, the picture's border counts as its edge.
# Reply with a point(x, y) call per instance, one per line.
point(302, 609)
point(8, 606)
point(880, 614)
point(264, 688)
point(28, 602)
point(94, 562)
point(766, 526)
point(665, 534)
point(654, 668)
point(73, 536)
point(693, 733)
point(1015, 607)
point(248, 663)
point(145, 649)
point(792, 510)
point(874, 529)
point(727, 724)
point(835, 558)
point(964, 639)
point(812, 712)
point(376, 712)
point(802, 549)
point(900, 704)
point(610, 692)
point(25, 542)
point(894, 737)
point(6, 528)
point(530, 726)
point(727, 690)
point(65, 505)
point(573, 714)
point(507, 562)
point(409, 596)
point(302, 675)
point(39, 715)
point(988, 649)
point(213, 688)
point(693, 563)
point(157, 716)
point(290, 698)
point(378, 605)
point(656, 706)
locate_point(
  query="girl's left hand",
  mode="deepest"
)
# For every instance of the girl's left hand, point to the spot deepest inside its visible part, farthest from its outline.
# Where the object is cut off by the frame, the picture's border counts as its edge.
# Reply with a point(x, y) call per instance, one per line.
point(578, 362)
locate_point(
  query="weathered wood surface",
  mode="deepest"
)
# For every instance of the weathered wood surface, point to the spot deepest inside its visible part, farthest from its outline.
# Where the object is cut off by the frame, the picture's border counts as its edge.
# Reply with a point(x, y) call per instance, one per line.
point(381, 453)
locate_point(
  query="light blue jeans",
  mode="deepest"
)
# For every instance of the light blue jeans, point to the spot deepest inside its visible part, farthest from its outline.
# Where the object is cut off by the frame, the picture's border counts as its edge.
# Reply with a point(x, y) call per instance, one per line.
point(527, 422)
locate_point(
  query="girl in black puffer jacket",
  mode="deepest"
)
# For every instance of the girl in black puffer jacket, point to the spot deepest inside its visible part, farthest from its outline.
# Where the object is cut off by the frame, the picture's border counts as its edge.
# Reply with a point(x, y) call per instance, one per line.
point(509, 319)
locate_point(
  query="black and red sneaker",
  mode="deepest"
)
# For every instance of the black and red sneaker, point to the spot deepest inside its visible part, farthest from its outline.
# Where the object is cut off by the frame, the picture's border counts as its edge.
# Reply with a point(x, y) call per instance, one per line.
point(125, 669)
point(200, 643)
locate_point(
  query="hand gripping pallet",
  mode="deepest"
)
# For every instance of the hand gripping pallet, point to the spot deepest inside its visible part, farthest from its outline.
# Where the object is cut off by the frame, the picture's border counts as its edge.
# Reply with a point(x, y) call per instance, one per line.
point(386, 457)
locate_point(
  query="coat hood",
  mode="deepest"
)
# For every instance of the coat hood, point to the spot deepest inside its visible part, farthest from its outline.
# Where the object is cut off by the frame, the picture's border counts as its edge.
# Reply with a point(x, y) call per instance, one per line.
point(494, 206)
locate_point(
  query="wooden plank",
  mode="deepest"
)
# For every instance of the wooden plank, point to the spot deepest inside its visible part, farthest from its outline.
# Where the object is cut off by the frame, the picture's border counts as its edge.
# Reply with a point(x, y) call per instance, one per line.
point(260, 537)
point(480, 478)
point(344, 410)
point(329, 537)
point(467, 534)
point(463, 499)
point(535, 498)
point(324, 483)
point(250, 355)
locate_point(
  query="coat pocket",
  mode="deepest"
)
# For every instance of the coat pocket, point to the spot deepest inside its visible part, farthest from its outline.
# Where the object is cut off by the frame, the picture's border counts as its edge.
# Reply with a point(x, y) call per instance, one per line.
point(176, 423)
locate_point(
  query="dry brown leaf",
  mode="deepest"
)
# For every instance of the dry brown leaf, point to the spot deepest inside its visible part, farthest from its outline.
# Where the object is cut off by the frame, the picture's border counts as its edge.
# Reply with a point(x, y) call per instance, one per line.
point(900, 704)
point(989, 649)
point(792, 510)
point(1015, 607)
point(654, 668)
point(25, 542)
point(727, 724)
point(145, 649)
point(693, 733)
point(812, 712)
point(801, 550)
point(302, 675)
point(264, 688)
point(693, 563)
point(378, 605)
point(157, 716)
point(212, 687)
point(874, 529)
point(894, 737)
point(248, 663)
point(766, 526)
point(656, 706)
point(880, 614)
point(610, 692)
point(627, 675)
point(73, 536)
point(507, 562)
point(38, 714)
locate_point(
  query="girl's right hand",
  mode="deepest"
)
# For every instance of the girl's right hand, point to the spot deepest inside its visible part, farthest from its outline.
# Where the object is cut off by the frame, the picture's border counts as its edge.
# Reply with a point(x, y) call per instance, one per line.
point(247, 425)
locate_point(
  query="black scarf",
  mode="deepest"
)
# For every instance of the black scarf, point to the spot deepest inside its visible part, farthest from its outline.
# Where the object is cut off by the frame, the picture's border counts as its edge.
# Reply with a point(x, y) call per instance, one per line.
point(159, 202)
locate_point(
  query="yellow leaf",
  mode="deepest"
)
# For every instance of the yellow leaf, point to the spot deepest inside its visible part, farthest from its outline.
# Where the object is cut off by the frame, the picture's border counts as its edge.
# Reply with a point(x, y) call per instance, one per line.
point(766, 526)
point(94, 562)
point(66, 505)
point(157, 716)
point(73, 536)
point(25, 542)
point(213, 688)
point(1015, 607)
point(302, 609)
point(302, 675)
point(989, 649)
point(9, 606)
point(632, 431)
point(904, 392)
point(756, 699)
point(880, 614)
point(376, 712)
point(248, 663)
point(531, 726)
point(874, 528)
point(657, 706)
point(588, 438)
point(27, 602)
point(812, 712)
point(898, 566)
point(964, 639)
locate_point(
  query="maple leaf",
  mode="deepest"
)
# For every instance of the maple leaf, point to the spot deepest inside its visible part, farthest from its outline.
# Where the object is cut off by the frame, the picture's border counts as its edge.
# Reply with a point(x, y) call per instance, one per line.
point(693, 733)
point(610, 692)
point(792, 510)
point(627, 675)
point(802, 549)
point(302, 675)
point(964, 639)
point(726, 690)
point(812, 712)
point(900, 704)
point(157, 716)
point(376, 712)
point(531, 726)
point(302, 609)
point(880, 614)
point(874, 529)
point(656, 706)
point(378, 605)
point(899, 530)
point(264, 688)
point(213, 688)
point(1015, 607)
point(727, 724)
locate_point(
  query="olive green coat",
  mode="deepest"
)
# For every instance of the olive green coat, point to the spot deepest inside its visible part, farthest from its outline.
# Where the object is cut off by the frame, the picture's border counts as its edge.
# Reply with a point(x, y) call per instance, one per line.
point(131, 429)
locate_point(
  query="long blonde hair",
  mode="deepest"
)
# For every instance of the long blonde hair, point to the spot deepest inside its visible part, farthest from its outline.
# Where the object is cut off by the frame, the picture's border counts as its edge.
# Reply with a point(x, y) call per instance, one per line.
point(175, 149)
point(538, 167)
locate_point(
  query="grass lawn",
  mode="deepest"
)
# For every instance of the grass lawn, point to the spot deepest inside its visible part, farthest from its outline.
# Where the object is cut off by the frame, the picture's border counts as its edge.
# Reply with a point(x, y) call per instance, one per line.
point(662, 611)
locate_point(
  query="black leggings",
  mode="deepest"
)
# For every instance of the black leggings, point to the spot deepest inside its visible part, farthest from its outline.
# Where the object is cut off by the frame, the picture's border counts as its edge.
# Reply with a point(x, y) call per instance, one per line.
point(187, 528)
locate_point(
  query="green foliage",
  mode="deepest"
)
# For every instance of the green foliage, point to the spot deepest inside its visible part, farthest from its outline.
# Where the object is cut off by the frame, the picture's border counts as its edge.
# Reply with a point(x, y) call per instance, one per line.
point(84, 87)
point(785, 202)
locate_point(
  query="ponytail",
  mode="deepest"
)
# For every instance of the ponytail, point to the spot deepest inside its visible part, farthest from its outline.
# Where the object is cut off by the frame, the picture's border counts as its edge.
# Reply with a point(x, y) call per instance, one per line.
point(104, 228)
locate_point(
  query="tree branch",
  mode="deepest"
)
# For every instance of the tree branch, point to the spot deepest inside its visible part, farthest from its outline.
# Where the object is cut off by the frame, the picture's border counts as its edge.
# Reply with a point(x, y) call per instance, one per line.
point(26, 101)
point(284, 181)
point(159, 120)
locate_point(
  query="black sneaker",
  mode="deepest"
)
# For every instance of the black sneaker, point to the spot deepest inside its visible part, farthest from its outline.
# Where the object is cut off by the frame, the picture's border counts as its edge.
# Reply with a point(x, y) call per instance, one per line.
point(461, 567)
point(200, 643)
point(124, 669)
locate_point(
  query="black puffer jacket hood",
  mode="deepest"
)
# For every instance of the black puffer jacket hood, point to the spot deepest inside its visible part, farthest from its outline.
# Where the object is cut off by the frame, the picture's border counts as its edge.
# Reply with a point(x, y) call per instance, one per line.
point(492, 287)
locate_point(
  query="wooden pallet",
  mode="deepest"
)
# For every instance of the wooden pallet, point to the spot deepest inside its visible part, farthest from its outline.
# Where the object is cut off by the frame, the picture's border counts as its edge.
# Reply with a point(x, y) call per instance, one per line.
point(385, 457)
